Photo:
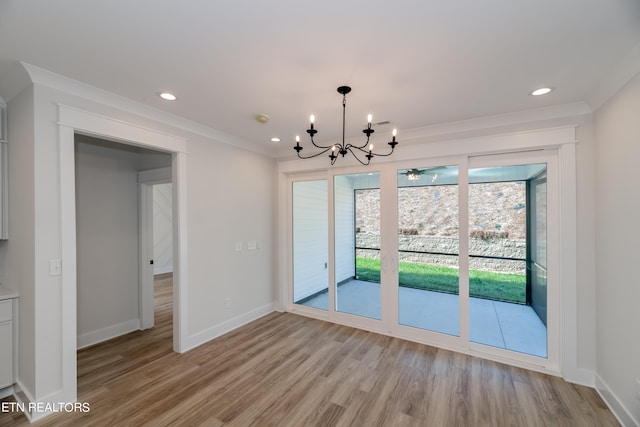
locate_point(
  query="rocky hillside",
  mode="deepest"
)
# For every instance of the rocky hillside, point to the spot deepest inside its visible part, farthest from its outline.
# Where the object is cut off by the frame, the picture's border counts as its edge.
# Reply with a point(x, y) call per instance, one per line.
point(495, 210)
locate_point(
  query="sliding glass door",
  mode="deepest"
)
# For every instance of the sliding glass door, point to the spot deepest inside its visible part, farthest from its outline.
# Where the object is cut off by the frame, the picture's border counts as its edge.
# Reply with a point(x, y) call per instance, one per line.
point(507, 241)
point(461, 254)
point(310, 243)
point(428, 248)
point(356, 206)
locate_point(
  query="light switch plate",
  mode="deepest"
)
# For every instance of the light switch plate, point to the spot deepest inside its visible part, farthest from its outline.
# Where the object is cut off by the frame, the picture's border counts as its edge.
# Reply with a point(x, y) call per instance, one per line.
point(237, 246)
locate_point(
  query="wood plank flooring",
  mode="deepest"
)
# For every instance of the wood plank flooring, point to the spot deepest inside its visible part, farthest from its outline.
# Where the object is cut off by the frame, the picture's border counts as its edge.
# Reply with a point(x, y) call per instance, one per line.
point(289, 370)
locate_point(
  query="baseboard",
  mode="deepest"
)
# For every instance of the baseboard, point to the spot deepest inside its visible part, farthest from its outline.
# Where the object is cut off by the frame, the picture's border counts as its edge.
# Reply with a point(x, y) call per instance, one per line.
point(35, 410)
point(104, 334)
point(6, 392)
point(163, 270)
point(24, 398)
point(579, 376)
point(617, 407)
point(227, 326)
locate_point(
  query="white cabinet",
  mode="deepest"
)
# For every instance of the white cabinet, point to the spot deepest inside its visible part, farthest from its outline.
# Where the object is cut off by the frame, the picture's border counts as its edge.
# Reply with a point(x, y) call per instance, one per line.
point(6, 343)
point(3, 170)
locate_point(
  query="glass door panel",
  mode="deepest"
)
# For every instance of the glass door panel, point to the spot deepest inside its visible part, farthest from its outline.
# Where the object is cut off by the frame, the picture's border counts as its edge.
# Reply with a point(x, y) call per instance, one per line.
point(537, 260)
point(310, 244)
point(504, 202)
point(428, 246)
point(357, 244)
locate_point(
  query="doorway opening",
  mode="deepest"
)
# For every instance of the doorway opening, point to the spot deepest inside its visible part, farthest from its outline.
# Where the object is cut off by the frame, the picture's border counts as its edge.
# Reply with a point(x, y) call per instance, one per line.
point(110, 271)
point(162, 254)
point(73, 122)
point(155, 239)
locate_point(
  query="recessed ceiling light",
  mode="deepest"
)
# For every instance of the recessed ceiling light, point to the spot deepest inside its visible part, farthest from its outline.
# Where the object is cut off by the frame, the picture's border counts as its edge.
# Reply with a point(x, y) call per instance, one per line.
point(541, 91)
point(275, 139)
point(167, 96)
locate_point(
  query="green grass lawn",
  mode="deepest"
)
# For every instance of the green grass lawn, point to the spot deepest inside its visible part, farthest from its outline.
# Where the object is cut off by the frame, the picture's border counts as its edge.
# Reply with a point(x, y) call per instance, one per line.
point(482, 284)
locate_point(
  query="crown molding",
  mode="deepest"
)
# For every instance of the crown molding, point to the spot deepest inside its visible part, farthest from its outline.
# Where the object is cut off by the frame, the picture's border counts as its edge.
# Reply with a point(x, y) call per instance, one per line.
point(616, 79)
point(495, 143)
point(52, 80)
point(513, 122)
point(498, 121)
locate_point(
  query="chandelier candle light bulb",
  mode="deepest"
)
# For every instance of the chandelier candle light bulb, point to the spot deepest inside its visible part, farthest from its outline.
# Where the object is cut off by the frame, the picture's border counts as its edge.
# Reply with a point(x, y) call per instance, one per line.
point(358, 151)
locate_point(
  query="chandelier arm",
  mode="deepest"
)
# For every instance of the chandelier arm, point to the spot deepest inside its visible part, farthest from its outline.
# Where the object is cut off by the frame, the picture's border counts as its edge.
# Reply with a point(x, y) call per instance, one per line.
point(350, 149)
point(322, 147)
point(371, 153)
point(360, 147)
point(382, 155)
point(315, 155)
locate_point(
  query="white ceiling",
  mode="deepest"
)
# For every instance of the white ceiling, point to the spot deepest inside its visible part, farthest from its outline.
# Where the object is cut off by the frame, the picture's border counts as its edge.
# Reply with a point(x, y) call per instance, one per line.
point(414, 63)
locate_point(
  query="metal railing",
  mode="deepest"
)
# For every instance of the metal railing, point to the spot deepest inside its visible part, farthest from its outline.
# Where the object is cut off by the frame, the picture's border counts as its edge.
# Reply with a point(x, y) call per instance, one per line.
point(449, 254)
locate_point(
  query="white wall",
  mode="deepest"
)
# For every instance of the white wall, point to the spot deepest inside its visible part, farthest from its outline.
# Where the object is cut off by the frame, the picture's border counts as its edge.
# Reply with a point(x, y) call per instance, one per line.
point(162, 229)
point(226, 205)
point(310, 238)
point(222, 206)
point(617, 125)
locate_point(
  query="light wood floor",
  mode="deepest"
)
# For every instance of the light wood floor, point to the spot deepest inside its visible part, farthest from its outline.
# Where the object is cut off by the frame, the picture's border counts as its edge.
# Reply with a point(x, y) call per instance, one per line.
point(289, 370)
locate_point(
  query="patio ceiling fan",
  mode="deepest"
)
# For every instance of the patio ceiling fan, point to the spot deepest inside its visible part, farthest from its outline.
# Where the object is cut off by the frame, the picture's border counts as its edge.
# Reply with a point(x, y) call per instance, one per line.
point(414, 174)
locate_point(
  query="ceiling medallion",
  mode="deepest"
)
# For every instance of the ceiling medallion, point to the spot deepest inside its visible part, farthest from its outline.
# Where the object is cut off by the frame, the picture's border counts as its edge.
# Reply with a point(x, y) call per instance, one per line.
point(360, 152)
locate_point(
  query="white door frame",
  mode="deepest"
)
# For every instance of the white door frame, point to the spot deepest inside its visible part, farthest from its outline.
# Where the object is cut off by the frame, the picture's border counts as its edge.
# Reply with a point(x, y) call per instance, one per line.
point(71, 121)
point(146, 180)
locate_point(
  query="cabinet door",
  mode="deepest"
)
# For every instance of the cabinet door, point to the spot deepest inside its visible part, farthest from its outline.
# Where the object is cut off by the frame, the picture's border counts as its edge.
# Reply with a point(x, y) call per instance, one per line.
point(4, 235)
point(6, 354)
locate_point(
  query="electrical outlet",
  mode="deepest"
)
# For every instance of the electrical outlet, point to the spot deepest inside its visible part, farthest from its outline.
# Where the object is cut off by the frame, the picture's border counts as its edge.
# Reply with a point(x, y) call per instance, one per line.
point(227, 303)
point(637, 388)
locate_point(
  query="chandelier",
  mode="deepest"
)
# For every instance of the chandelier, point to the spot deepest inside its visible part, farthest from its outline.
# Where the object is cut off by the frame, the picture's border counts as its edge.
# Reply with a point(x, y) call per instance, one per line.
point(360, 152)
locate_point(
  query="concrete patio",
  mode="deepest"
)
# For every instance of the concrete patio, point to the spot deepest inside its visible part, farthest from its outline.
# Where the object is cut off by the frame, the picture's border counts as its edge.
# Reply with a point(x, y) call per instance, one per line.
point(499, 324)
